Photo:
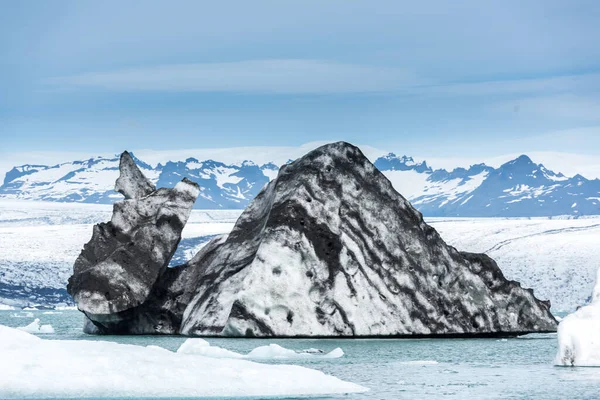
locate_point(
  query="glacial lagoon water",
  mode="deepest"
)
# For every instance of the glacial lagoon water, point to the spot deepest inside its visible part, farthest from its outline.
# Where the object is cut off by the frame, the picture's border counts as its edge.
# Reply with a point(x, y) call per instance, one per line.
point(515, 368)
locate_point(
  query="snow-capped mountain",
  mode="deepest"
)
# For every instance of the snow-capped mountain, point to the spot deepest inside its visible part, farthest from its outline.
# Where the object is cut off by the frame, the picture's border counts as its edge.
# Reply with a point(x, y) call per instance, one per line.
point(92, 181)
point(517, 188)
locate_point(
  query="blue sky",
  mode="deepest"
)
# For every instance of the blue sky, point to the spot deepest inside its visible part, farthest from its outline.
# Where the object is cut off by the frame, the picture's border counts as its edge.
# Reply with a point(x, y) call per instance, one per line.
point(439, 78)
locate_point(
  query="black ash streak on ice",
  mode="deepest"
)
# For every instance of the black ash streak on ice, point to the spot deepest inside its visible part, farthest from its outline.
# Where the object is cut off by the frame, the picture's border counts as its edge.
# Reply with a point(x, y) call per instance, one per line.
point(327, 249)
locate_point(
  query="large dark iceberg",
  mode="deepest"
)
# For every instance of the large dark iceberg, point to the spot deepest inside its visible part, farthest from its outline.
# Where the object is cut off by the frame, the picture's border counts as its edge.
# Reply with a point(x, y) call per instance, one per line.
point(328, 248)
point(121, 267)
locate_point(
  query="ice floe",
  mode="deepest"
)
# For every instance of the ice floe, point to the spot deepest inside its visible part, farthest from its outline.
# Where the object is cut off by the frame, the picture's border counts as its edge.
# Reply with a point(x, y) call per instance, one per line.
point(106, 369)
point(419, 362)
point(26, 314)
point(272, 351)
point(36, 327)
point(579, 334)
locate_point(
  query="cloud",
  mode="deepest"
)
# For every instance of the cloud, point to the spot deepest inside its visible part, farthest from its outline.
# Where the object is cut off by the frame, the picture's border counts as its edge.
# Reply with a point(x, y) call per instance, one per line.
point(554, 84)
point(256, 76)
point(306, 76)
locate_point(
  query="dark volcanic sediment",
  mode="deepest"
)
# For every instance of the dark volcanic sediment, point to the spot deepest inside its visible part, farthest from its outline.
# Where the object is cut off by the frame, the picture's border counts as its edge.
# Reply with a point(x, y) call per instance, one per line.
point(329, 248)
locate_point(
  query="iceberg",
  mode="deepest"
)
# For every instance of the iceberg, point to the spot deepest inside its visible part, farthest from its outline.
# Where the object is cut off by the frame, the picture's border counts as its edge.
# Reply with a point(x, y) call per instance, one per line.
point(271, 352)
point(36, 327)
point(579, 334)
point(26, 314)
point(42, 368)
point(327, 249)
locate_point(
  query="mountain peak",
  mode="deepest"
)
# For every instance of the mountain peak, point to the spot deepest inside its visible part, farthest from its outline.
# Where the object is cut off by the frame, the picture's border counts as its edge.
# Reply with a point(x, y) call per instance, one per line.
point(248, 163)
point(391, 162)
point(522, 159)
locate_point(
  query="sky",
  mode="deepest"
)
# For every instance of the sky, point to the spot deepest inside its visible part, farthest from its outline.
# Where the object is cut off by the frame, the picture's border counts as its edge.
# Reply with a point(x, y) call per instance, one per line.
point(438, 79)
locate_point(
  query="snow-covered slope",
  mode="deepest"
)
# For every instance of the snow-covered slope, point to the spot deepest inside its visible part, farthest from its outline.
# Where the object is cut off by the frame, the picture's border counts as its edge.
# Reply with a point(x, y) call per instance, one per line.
point(517, 188)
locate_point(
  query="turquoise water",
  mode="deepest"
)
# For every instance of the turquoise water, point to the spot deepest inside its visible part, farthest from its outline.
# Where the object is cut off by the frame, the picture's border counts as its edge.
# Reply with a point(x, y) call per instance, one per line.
point(519, 368)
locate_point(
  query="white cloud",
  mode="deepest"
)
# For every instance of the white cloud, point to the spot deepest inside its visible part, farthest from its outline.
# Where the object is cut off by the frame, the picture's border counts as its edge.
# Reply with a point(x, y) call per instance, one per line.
point(306, 76)
point(255, 76)
point(554, 84)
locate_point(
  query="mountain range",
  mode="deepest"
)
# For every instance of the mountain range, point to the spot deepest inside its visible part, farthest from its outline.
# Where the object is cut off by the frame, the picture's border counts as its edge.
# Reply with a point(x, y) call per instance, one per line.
point(518, 188)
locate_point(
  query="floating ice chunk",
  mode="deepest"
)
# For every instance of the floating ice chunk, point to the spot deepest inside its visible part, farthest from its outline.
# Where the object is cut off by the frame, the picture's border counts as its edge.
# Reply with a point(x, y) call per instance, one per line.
point(4, 307)
point(22, 315)
point(579, 334)
point(105, 369)
point(51, 312)
point(36, 327)
point(419, 362)
point(272, 351)
point(203, 348)
point(313, 351)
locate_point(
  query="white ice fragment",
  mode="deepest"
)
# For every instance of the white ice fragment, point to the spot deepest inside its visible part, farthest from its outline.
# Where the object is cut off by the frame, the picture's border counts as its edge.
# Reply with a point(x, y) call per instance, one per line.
point(273, 351)
point(22, 315)
point(579, 334)
point(36, 327)
point(313, 351)
point(203, 348)
point(419, 362)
